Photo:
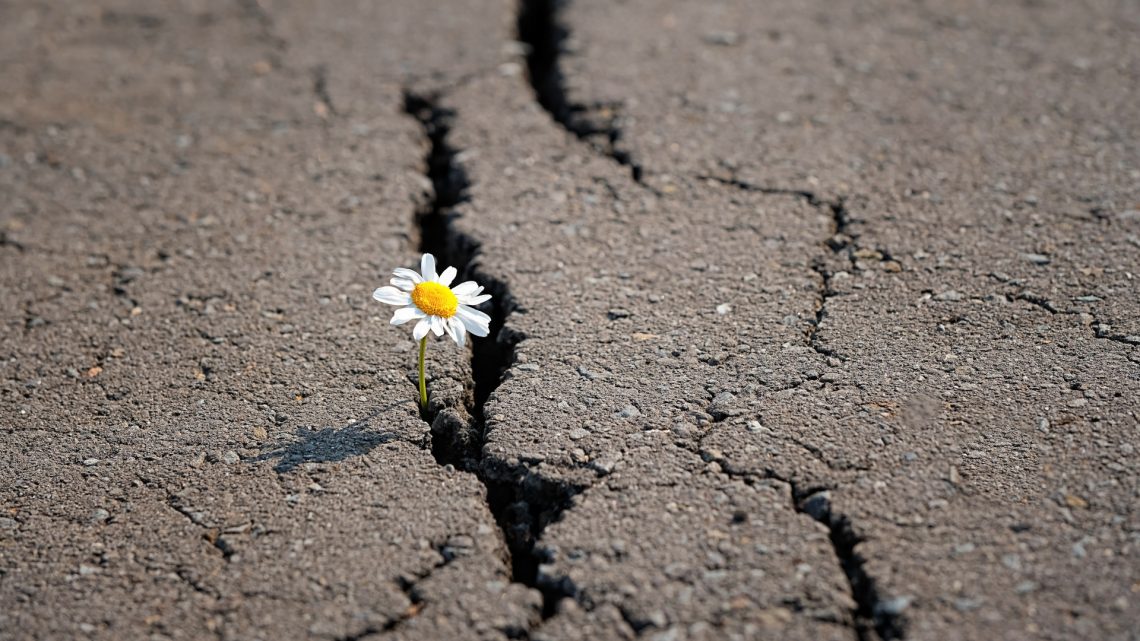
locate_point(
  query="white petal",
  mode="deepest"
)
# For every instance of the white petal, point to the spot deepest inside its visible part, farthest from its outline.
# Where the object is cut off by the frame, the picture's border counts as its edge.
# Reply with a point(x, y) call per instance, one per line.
point(436, 325)
point(474, 300)
point(427, 267)
point(392, 296)
point(404, 284)
point(474, 320)
point(405, 314)
point(466, 288)
point(447, 276)
point(422, 328)
point(410, 274)
point(473, 314)
point(456, 330)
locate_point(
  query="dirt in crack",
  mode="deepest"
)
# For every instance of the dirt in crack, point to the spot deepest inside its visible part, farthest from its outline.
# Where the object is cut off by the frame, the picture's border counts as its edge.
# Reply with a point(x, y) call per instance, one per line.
point(539, 29)
point(522, 503)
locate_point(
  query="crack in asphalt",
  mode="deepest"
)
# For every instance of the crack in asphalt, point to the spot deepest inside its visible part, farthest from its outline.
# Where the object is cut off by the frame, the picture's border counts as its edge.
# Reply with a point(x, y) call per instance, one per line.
point(416, 601)
point(841, 240)
point(523, 503)
point(1101, 329)
point(874, 618)
point(211, 535)
point(539, 28)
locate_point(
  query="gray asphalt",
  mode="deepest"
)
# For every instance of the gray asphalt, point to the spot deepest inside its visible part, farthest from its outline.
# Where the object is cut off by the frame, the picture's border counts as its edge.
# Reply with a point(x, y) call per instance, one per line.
point(811, 321)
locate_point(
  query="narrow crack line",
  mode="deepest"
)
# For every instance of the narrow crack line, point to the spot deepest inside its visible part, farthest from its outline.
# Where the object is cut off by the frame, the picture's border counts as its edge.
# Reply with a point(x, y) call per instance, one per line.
point(809, 196)
point(1040, 301)
point(841, 237)
point(539, 28)
point(211, 535)
point(1101, 330)
point(840, 240)
point(825, 294)
point(410, 588)
point(523, 503)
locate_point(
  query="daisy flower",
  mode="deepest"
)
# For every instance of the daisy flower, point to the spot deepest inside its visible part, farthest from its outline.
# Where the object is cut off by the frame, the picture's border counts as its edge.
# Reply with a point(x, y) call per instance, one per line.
point(426, 297)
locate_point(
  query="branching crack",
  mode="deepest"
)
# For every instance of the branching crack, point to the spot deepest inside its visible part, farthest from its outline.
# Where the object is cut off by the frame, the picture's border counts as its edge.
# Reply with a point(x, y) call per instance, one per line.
point(522, 502)
point(598, 124)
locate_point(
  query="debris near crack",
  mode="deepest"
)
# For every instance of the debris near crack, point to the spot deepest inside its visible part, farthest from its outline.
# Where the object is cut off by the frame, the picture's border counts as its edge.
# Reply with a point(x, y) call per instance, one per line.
point(522, 502)
point(598, 124)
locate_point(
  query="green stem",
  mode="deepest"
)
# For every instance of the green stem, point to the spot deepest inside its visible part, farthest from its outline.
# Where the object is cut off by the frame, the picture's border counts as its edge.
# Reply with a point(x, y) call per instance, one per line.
point(423, 381)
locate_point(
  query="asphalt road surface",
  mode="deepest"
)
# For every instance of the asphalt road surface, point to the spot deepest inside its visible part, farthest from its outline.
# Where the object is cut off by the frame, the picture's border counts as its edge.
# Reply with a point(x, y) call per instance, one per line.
point(811, 320)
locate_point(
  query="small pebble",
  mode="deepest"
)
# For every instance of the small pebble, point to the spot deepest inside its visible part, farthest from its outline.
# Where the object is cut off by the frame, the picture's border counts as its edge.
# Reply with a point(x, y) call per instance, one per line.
point(629, 411)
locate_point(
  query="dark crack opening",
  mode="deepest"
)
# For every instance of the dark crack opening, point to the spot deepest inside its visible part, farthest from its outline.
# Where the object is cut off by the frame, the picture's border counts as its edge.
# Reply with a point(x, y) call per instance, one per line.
point(523, 503)
point(873, 615)
point(540, 30)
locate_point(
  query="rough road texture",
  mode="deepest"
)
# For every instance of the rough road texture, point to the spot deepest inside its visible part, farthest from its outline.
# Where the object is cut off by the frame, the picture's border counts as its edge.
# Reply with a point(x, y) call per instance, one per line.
point(812, 321)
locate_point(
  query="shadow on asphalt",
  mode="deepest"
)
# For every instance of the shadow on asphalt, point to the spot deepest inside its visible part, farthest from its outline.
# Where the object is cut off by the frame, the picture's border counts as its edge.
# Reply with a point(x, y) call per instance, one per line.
point(330, 444)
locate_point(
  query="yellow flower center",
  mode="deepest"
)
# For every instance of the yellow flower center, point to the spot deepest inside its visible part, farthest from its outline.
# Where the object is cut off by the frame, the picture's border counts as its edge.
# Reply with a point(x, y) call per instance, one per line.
point(435, 299)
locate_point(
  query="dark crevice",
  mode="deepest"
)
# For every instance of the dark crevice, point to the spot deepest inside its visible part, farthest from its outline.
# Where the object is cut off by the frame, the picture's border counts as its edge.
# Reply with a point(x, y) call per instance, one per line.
point(875, 618)
point(540, 30)
point(211, 535)
point(1039, 301)
point(523, 503)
